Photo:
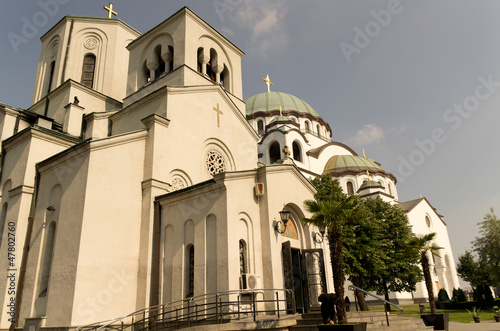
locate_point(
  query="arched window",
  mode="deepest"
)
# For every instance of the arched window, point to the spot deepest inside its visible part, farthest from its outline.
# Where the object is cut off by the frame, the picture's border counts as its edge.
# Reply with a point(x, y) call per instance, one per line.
point(350, 188)
point(47, 259)
point(224, 78)
point(199, 59)
point(211, 64)
point(297, 155)
point(243, 263)
point(390, 189)
point(274, 152)
point(88, 70)
point(51, 77)
point(318, 130)
point(306, 124)
point(260, 127)
point(190, 272)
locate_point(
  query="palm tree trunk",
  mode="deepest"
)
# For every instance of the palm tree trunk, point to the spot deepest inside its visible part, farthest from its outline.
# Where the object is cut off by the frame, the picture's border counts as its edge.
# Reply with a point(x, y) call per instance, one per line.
point(336, 258)
point(428, 281)
point(360, 295)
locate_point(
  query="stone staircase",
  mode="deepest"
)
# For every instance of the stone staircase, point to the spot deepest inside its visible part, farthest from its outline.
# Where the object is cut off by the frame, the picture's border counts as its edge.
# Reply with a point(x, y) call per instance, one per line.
point(376, 322)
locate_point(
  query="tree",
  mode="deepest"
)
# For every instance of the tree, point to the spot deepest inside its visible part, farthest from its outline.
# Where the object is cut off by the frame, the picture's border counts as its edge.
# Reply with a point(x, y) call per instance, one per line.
point(473, 270)
point(364, 254)
point(399, 270)
point(487, 246)
point(425, 247)
point(330, 209)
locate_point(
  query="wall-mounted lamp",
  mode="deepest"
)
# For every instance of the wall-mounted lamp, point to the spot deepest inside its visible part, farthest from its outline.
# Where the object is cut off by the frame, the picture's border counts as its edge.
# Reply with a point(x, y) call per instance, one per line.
point(50, 208)
point(319, 236)
point(285, 216)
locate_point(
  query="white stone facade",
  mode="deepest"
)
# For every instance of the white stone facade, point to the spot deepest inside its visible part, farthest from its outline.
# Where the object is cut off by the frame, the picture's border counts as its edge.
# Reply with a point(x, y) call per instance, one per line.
point(138, 150)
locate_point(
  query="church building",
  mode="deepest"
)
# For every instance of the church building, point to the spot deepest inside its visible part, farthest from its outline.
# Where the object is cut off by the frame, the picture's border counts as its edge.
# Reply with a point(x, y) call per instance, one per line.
point(139, 176)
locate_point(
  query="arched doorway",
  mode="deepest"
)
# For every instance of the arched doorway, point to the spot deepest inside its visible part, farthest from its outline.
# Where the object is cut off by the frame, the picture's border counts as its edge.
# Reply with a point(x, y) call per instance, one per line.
point(303, 271)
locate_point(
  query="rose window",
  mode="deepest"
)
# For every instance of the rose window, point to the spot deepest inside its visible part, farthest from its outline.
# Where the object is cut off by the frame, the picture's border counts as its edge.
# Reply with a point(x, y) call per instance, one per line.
point(215, 162)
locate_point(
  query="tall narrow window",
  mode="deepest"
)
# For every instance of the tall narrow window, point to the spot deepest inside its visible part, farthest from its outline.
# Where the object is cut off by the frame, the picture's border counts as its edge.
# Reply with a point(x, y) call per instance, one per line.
point(274, 152)
point(350, 188)
point(3, 217)
point(224, 78)
point(243, 263)
point(390, 189)
point(190, 272)
point(88, 70)
point(318, 130)
point(47, 259)
point(260, 127)
point(51, 77)
point(297, 155)
point(307, 126)
point(200, 58)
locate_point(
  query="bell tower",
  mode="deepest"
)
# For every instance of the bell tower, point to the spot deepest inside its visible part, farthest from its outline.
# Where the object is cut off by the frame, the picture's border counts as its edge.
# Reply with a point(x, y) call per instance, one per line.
point(184, 50)
point(87, 50)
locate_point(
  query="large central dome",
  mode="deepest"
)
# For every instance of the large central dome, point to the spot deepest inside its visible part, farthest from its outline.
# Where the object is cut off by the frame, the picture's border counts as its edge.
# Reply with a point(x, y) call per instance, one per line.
point(267, 101)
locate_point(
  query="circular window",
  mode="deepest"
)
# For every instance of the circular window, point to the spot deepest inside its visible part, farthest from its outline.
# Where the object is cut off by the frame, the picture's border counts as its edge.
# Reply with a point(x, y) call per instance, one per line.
point(215, 162)
point(428, 221)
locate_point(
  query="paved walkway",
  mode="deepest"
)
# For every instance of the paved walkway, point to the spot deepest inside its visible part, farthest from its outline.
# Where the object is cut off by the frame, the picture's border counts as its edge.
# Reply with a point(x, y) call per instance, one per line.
point(483, 326)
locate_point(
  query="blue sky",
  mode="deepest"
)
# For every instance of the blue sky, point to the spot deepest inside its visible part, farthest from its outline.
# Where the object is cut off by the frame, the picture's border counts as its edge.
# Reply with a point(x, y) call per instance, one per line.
point(414, 83)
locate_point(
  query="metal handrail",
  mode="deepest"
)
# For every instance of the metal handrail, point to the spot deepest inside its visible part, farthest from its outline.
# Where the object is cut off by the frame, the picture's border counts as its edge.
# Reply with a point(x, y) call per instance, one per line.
point(179, 303)
point(354, 288)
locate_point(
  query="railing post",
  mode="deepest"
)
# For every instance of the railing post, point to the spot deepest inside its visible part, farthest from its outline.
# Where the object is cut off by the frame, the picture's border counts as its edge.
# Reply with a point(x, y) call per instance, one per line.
point(220, 310)
point(217, 309)
point(253, 305)
point(293, 303)
point(277, 304)
point(176, 318)
point(239, 294)
point(189, 317)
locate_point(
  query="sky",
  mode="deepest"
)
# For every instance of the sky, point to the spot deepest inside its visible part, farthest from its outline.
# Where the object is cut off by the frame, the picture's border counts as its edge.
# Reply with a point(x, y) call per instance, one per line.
point(414, 83)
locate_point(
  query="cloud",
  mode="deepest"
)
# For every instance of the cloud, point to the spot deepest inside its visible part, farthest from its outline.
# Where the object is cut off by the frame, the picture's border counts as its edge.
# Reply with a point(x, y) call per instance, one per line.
point(369, 134)
point(265, 21)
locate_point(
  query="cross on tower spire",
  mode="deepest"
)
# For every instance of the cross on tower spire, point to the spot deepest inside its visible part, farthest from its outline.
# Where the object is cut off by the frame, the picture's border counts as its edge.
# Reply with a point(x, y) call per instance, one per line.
point(268, 82)
point(110, 10)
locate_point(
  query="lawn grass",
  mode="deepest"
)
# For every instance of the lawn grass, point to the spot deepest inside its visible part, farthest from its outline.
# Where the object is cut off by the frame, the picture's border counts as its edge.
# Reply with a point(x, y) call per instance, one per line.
point(455, 315)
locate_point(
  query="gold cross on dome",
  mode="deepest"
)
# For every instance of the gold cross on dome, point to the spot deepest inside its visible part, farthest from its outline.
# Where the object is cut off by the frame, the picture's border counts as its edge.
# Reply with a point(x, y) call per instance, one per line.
point(364, 153)
point(110, 10)
point(219, 112)
point(281, 111)
point(268, 82)
point(368, 174)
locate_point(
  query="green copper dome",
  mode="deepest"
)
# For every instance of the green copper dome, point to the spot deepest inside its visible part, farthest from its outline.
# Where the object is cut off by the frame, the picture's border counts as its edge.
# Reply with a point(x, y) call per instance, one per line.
point(344, 163)
point(268, 101)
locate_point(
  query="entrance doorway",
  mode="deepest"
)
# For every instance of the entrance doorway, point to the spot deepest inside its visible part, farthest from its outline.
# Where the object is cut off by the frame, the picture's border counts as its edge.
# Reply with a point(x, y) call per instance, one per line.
point(304, 274)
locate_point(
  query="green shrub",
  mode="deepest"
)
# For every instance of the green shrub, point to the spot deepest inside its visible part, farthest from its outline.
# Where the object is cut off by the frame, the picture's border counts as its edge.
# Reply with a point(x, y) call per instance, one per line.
point(461, 295)
point(443, 295)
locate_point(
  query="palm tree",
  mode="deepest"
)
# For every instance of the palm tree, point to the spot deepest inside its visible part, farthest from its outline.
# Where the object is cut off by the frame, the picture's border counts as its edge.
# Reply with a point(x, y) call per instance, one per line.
point(423, 244)
point(330, 215)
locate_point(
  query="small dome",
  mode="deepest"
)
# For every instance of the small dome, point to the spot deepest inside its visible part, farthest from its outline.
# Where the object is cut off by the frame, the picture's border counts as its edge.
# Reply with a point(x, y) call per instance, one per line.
point(269, 101)
point(344, 163)
point(370, 183)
